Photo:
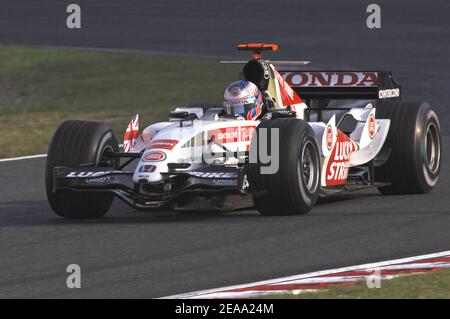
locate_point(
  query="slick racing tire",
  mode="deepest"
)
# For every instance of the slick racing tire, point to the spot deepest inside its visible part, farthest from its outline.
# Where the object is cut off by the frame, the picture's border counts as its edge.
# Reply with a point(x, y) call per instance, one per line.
point(78, 143)
point(414, 143)
point(294, 187)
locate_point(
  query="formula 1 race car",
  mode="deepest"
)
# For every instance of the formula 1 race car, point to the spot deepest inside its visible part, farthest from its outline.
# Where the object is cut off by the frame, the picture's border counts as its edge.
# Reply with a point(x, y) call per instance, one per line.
point(324, 132)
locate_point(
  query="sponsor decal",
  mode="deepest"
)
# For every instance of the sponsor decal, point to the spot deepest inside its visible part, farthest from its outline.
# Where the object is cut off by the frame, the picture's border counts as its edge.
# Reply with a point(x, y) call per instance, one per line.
point(336, 171)
point(246, 133)
point(371, 126)
point(224, 135)
point(214, 174)
point(98, 180)
point(147, 168)
point(166, 144)
point(288, 96)
point(154, 156)
point(287, 90)
point(87, 174)
point(238, 102)
point(331, 79)
point(231, 134)
point(224, 182)
point(388, 93)
point(329, 137)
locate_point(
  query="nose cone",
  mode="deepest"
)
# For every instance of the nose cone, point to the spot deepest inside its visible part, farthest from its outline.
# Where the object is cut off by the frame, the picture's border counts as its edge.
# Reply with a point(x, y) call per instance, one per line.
point(152, 164)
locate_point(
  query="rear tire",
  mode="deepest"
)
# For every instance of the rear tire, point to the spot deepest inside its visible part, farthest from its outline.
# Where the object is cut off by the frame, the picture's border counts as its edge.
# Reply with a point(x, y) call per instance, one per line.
point(414, 140)
point(294, 188)
point(75, 143)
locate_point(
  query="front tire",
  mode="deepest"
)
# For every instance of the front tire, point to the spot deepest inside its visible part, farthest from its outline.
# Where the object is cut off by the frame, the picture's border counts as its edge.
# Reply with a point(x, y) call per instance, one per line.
point(293, 189)
point(78, 143)
point(414, 140)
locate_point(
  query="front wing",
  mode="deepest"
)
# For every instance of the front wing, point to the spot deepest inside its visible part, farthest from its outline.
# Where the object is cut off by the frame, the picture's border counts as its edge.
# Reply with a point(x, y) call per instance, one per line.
point(146, 196)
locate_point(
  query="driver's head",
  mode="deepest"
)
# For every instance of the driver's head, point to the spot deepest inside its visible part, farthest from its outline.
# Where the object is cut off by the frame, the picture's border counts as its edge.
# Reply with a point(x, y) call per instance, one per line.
point(243, 99)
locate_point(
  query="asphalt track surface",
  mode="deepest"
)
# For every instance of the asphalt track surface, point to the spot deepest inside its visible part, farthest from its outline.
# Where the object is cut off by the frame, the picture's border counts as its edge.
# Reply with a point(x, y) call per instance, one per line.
point(135, 254)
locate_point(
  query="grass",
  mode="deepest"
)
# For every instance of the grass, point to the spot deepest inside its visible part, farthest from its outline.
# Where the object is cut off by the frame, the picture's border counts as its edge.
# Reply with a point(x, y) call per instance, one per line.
point(434, 285)
point(40, 88)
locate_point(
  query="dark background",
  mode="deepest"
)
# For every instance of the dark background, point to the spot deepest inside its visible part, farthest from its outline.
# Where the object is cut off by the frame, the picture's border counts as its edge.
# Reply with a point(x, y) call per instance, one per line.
point(413, 41)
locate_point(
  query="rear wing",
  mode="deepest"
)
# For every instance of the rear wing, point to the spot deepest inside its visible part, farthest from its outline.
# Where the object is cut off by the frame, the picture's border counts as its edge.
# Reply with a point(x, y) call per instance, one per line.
point(316, 85)
point(359, 85)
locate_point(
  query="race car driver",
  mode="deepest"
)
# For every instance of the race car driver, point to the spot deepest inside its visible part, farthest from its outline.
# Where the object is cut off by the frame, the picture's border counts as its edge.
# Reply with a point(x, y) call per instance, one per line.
point(243, 100)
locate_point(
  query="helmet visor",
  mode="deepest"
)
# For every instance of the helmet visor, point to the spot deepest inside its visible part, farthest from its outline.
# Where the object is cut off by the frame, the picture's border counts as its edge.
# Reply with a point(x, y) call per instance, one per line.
point(239, 109)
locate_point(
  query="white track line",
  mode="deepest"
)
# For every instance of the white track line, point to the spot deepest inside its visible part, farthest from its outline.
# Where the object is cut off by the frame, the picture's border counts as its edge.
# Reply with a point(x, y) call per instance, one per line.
point(28, 157)
point(22, 158)
point(142, 52)
point(200, 293)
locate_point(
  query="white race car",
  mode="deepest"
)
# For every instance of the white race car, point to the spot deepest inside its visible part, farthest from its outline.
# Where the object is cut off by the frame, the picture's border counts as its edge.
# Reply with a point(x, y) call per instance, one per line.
point(324, 132)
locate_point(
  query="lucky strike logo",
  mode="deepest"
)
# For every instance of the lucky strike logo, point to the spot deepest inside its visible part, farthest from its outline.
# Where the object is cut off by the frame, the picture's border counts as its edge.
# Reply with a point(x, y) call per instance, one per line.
point(155, 156)
point(338, 165)
point(371, 126)
point(329, 137)
point(87, 174)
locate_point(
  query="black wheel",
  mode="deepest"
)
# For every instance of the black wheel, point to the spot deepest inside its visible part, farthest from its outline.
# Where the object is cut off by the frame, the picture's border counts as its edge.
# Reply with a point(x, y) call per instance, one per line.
point(294, 187)
point(75, 143)
point(414, 140)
